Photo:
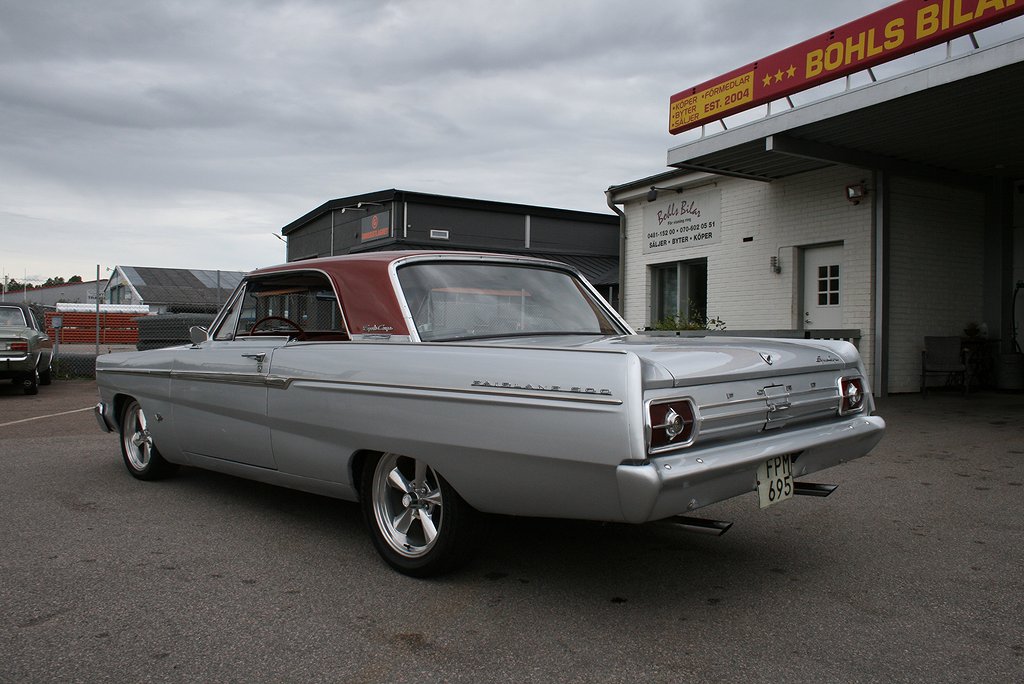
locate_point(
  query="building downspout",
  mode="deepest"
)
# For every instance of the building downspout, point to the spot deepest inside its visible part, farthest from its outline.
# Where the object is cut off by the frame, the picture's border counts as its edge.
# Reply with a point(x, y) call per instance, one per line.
point(880, 248)
point(622, 251)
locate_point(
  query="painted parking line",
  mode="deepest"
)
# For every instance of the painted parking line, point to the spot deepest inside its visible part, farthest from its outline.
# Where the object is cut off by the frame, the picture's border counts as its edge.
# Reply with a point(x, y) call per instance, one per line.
point(51, 415)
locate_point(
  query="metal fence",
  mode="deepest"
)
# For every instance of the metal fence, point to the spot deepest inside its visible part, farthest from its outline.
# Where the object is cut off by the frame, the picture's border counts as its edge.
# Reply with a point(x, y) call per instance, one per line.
point(80, 334)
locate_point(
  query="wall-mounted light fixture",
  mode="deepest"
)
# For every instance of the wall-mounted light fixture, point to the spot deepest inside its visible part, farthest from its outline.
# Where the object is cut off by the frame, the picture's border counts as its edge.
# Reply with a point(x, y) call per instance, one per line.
point(856, 192)
point(774, 264)
point(652, 194)
point(361, 206)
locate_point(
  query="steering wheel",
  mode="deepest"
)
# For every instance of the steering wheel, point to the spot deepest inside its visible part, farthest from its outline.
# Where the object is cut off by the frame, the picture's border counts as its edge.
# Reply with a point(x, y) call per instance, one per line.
point(289, 321)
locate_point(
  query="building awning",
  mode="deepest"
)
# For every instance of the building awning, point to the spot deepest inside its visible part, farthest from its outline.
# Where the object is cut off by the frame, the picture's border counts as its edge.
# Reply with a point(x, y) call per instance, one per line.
point(958, 121)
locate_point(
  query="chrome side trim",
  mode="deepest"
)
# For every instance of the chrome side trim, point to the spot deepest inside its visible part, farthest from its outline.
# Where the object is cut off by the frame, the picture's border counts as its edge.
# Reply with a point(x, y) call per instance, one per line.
point(386, 388)
point(202, 376)
point(137, 371)
point(284, 382)
point(230, 378)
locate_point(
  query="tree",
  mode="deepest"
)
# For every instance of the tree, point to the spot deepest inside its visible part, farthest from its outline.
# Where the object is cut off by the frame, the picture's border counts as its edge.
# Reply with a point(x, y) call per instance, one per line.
point(74, 279)
point(54, 281)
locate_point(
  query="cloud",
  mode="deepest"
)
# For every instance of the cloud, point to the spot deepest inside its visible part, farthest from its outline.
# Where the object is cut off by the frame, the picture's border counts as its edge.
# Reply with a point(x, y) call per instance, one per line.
point(173, 133)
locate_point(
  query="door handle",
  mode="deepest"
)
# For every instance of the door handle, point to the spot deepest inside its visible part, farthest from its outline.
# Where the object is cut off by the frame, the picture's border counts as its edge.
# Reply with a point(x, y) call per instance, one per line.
point(259, 358)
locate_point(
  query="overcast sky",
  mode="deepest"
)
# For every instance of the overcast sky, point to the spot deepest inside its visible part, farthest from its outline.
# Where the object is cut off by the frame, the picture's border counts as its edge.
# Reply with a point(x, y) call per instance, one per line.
point(183, 133)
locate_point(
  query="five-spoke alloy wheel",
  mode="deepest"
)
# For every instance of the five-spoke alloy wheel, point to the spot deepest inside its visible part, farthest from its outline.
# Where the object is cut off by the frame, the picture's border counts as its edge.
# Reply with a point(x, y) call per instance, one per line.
point(140, 454)
point(418, 523)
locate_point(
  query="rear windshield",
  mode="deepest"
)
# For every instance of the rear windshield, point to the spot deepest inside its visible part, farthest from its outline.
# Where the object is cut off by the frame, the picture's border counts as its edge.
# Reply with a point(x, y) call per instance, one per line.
point(467, 300)
point(12, 317)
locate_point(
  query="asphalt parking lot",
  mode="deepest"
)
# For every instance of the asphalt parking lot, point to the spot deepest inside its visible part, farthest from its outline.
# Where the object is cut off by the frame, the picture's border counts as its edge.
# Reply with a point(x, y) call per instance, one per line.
point(912, 571)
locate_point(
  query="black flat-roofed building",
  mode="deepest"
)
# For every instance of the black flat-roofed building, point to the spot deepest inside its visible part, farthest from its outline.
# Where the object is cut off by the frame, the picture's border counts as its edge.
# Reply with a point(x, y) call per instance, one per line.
point(399, 219)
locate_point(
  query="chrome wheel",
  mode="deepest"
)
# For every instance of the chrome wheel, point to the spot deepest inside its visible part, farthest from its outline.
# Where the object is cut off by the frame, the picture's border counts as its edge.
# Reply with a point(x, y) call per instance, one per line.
point(408, 504)
point(138, 443)
point(141, 456)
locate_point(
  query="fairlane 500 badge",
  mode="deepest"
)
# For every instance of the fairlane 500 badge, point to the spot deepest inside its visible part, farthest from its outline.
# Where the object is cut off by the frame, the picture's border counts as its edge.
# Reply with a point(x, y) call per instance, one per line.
point(542, 388)
point(828, 358)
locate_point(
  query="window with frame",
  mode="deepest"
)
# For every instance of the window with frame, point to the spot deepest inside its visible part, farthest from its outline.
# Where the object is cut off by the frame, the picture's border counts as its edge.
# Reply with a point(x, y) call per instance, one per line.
point(828, 285)
point(300, 305)
point(462, 300)
point(679, 291)
point(12, 317)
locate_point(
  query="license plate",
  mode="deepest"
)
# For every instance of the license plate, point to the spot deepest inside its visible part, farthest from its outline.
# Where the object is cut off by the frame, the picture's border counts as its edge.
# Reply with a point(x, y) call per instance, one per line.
point(775, 480)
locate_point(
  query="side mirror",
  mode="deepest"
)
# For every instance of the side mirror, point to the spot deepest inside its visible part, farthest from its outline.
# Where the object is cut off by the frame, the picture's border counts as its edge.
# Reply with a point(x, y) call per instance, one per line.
point(198, 334)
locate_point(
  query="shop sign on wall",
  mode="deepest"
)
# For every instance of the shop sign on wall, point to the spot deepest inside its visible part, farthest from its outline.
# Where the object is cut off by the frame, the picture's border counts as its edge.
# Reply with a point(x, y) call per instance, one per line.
point(375, 227)
point(889, 33)
point(677, 221)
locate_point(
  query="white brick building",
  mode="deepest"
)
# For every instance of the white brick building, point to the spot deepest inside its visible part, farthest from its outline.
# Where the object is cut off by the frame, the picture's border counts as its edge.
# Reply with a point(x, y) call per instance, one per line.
point(757, 226)
point(760, 276)
point(849, 188)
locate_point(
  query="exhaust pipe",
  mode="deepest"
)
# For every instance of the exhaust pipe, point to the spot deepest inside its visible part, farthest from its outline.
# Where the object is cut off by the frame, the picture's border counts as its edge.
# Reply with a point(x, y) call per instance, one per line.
point(715, 527)
point(812, 489)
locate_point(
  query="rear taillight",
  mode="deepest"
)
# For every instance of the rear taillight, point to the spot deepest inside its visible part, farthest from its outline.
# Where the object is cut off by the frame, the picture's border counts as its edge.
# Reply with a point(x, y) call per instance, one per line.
point(18, 346)
point(851, 395)
point(672, 424)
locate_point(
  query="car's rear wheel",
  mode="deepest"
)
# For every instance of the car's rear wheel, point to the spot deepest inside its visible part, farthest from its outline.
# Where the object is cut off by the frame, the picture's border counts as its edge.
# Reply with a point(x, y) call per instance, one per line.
point(418, 523)
point(46, 375)
point(140, 453)
point(30, 383)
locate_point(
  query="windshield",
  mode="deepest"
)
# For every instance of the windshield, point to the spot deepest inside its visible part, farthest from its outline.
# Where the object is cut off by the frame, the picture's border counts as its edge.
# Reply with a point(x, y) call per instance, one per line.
point(12, 317)
point(464, 300)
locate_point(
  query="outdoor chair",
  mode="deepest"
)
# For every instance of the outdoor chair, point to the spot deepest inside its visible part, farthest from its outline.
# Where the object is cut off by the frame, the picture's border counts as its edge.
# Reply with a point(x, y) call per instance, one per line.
point(944, 356)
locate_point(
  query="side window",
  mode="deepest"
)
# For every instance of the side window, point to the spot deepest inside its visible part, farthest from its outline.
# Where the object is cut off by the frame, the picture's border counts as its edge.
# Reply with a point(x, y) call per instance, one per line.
point(300, 305)
point(226, 330)
point(679, 293)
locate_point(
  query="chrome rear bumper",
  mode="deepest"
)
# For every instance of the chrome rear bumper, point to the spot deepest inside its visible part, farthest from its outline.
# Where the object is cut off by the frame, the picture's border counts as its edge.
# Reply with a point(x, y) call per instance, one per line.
point(671, 485)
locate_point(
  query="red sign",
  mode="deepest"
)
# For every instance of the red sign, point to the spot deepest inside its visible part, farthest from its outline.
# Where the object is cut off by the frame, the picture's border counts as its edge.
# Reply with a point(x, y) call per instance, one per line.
point(891, 32)
point(375, 227)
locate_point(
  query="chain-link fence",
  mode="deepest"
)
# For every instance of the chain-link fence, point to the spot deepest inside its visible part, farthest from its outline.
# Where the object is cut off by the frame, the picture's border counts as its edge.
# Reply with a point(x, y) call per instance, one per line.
point(79, 333)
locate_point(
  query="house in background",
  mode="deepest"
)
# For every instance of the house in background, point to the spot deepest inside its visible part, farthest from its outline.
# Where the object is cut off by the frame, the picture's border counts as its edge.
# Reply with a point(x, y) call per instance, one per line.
point(171, 290)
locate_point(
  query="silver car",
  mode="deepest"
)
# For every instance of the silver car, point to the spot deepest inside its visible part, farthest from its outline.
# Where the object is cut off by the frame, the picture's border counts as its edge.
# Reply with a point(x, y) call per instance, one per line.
point(432, 387)
point(26, 352)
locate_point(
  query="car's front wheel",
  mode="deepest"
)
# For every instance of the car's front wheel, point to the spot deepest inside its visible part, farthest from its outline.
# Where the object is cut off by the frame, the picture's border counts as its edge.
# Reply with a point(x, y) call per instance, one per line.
point(140, 453)
point(418, 523)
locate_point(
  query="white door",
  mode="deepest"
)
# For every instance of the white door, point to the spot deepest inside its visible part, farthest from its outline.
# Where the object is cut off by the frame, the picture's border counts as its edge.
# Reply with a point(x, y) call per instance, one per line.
point(823, 287)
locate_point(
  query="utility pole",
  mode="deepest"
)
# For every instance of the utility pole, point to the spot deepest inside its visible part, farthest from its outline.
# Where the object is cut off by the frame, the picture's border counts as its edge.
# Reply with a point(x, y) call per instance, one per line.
point(97, 310)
